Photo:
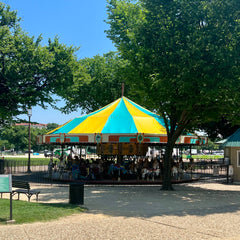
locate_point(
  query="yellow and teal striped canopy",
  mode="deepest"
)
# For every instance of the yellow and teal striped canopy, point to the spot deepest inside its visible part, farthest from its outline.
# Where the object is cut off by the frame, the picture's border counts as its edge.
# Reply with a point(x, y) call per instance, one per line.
point(122, 121)
point(122, 116)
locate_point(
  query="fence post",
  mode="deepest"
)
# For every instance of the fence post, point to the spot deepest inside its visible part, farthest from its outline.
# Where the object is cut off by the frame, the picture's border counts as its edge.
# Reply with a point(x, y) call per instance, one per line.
point(227, 174)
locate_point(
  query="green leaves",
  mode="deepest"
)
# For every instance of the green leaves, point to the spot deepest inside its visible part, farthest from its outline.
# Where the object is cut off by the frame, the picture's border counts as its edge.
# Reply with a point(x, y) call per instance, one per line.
point(186, 52)
point(97, 84)
point(17, 137)
point(30, 73)
point(186, 56)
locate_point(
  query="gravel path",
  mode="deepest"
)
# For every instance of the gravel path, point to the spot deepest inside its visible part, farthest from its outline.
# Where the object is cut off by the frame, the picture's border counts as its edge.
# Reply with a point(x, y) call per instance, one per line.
point(192, 211)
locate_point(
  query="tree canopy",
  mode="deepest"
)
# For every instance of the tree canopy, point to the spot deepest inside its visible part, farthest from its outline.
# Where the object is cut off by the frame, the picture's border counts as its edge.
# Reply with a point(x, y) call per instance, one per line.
point(16, 137)
point(185, 55)
point(30, 73)
point(101, 85)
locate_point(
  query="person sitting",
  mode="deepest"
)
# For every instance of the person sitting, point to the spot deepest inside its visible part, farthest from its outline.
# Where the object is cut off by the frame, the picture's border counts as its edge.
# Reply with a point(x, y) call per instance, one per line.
point(50, 167)
point(155, 164)
point(175, 172)
point(76, 171)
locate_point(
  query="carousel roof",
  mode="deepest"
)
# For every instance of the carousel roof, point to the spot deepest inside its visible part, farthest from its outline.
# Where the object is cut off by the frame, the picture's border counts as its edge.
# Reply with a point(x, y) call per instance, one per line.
point(120, 121)
point(120, 117)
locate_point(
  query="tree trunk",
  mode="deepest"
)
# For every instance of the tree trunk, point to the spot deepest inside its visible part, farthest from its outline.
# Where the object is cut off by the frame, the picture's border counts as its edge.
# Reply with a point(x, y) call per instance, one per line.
point(173, 133)
point(167, 174)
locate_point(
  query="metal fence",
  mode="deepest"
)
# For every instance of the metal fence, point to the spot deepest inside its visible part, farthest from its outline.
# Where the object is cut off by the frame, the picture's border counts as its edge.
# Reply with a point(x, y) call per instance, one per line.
point(207, 171)
point(19, 169)
point(21, 166)
point(212, 171)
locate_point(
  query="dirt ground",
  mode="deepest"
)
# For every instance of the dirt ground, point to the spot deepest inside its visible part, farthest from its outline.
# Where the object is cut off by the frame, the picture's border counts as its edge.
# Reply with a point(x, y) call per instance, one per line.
point(192, 211)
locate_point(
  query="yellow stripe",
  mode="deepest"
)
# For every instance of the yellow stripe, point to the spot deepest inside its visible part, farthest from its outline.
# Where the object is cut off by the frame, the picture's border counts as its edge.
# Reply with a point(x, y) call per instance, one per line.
point(96, 122)
point(144, 122)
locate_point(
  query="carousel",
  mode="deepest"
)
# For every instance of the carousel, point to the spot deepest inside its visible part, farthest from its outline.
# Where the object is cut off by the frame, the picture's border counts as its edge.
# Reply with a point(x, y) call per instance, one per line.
point(122, 132)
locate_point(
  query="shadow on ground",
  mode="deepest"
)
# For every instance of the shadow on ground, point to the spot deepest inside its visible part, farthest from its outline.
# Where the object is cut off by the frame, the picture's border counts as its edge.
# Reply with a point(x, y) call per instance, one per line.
point(150, 201)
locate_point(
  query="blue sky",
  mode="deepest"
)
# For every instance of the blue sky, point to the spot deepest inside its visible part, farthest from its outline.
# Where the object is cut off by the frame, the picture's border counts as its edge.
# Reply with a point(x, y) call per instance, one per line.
point(76, 22)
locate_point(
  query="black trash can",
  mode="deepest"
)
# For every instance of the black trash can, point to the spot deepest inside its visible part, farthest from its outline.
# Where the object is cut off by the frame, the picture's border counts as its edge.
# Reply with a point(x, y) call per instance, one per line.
point(76, 193)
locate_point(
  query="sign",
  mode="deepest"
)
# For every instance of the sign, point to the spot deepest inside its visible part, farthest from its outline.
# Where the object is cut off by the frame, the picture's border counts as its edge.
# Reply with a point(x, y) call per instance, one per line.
point(122, 149)
point(5, 183)
point(6, 187)
point(107, 149)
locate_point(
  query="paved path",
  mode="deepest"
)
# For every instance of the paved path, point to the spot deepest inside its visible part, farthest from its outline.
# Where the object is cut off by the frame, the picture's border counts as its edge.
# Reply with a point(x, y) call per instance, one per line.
point(192, 211)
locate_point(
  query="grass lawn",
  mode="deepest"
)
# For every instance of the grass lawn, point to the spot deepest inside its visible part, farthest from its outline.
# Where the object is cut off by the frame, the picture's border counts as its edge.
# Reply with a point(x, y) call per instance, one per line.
point(28, 212)
point(23, 161)
point(34, 161)
point(204, 156)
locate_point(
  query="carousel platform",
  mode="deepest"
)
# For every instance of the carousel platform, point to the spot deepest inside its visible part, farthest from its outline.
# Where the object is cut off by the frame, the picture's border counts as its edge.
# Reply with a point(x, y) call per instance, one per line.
point(134, 182)
point(186, 179)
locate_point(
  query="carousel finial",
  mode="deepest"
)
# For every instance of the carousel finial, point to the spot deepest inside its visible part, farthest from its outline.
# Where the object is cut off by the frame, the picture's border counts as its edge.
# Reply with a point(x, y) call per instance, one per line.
point(122, 89)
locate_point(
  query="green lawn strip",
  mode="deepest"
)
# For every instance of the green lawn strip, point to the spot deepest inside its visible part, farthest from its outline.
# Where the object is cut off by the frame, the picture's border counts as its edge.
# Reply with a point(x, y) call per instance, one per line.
point(44, 161)
point(29, 212)
point(34, 161)
point(207, 157)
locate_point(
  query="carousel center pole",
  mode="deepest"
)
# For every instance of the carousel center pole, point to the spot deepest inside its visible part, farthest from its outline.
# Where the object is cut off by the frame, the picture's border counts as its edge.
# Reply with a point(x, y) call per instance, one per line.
point(122, 89)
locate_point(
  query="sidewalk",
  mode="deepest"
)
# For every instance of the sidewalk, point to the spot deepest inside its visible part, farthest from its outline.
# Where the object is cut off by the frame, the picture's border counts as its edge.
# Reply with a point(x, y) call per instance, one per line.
point(192, 211)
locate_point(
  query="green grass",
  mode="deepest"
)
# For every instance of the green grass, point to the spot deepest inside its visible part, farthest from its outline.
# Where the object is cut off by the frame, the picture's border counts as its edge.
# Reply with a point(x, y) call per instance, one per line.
point(22, 161)
point(204, 156)
point(29, 212)
point(34, 161)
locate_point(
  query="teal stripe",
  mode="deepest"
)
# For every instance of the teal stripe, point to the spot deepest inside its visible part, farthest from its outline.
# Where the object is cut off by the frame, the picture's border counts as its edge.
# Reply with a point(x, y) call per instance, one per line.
point(71, 125)
point(53, 139)
point(77, 121)
point(193, 141)
point(125, 139)
point(73, 139)
point(120, 121)
point(154, 115)
point(153, 139)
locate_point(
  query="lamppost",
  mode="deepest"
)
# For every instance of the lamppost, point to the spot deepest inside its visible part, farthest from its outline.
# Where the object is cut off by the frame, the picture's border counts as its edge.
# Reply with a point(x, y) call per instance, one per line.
point(29, 138)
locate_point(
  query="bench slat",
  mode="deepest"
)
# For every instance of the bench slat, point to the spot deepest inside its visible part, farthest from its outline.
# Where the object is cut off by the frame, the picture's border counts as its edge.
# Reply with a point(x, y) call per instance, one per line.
point(20, 184)
point(23, 187)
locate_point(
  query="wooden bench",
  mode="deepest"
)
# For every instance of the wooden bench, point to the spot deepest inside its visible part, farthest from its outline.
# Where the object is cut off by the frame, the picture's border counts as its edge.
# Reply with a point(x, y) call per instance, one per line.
point(23, 187)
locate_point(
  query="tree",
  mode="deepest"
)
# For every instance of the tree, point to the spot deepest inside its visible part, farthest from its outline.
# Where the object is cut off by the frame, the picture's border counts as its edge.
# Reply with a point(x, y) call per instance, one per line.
point(219, 129)
point(185, 54)
point(17, 137)
point(51, 126)
point(30, 73)
point(4, 144)
point(103, 85)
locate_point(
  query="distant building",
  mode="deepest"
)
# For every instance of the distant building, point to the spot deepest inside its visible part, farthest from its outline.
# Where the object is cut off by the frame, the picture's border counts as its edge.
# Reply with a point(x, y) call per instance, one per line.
point(33, 125)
